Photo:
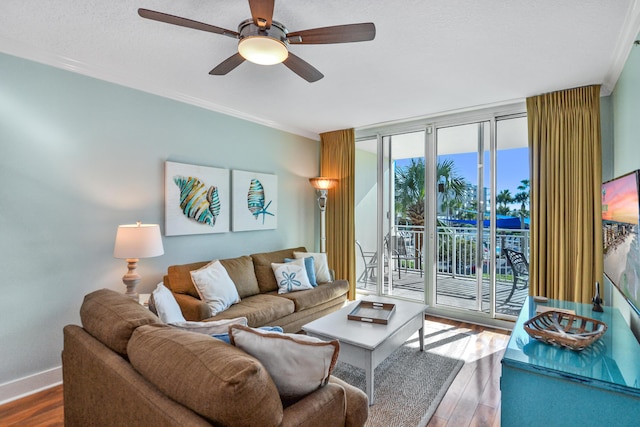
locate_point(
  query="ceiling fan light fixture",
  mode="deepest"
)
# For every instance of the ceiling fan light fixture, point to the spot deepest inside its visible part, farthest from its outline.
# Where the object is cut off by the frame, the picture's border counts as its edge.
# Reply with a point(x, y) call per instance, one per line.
point(263, 50)
point(263, 41)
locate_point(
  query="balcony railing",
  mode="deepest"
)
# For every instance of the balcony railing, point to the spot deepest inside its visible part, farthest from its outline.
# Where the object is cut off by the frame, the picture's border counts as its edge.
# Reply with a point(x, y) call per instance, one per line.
point(456, 249)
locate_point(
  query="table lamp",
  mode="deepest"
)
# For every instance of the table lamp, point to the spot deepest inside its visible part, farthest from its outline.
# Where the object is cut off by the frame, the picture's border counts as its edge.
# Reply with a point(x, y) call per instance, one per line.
point(134, 241)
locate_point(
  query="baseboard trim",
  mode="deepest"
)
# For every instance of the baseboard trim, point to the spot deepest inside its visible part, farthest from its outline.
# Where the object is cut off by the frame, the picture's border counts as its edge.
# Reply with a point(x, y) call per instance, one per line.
point(23, 387)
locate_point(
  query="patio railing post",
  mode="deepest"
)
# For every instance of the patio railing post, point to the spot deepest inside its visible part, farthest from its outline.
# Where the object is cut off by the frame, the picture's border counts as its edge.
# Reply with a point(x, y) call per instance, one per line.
point(454, 255)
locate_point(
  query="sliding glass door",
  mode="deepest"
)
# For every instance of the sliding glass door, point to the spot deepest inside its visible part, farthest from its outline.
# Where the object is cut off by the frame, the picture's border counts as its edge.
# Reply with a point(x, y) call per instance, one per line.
point(512, 213)
point(403, 242)
point(390, 215)
point(481, 214)
point(438, 208)
point(463, 208)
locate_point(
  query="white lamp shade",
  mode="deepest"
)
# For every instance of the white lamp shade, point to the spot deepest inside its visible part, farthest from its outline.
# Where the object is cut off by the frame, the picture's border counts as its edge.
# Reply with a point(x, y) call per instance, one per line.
point(262, 50)
point(138, 241)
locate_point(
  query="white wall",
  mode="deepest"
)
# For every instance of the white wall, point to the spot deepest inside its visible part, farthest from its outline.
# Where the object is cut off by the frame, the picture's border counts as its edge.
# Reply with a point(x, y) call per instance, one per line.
point(626, 132)
point(78, 157)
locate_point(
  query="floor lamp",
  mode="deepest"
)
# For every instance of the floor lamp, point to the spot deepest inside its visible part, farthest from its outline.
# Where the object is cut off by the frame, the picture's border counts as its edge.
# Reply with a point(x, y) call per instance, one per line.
point(322, 186)
point(136, 241)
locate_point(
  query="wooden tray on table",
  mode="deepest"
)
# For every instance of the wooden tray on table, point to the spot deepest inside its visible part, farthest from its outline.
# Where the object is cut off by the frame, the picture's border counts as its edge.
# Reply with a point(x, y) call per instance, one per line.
point(372, 312)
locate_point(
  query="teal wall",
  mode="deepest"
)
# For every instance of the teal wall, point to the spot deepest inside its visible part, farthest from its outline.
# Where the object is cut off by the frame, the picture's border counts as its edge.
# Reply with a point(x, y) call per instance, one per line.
point(626, 112)
point(78, 157)
point(626, 133)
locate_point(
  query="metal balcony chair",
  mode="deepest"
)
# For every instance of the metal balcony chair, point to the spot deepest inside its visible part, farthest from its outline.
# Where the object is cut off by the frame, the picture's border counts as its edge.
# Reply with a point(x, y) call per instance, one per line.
point(370, 265)
point(398, 252)
point(520, 269)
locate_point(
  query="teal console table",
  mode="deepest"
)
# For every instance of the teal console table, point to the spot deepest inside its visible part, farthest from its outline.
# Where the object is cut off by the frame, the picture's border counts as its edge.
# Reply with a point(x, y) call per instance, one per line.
point(543, 385)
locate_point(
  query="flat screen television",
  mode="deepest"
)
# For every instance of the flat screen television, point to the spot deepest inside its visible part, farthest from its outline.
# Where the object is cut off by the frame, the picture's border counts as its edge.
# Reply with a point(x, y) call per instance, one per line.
point(620, 216)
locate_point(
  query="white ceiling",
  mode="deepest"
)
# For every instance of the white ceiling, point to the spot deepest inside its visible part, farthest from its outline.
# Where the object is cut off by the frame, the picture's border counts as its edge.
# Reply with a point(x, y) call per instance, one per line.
point(428, 56)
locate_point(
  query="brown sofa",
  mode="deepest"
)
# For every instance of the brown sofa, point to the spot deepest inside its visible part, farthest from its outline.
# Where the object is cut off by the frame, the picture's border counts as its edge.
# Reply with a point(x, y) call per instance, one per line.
point(256, 284)
point(123, 367)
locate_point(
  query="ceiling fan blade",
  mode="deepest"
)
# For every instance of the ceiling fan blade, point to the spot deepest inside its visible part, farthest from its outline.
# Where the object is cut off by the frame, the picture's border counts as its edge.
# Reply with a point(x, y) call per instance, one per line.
point(262, 12)
point(336, 34)
point(184, 22)
point(227, 65)
point(302, 68)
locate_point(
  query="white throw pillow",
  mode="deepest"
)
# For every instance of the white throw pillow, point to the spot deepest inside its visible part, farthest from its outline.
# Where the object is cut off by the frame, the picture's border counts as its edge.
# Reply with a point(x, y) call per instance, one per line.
point(320, 262)
point(291, 276)
point(214, 327)
point(166, 305)
point(310, 267)
point(215, 287)
point(298, 364)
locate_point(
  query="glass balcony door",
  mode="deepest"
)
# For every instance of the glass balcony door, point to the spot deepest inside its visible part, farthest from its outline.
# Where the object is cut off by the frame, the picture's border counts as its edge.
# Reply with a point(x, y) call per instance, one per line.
point(482, 213)
point(390, 215)
point(403, 239)
point(512, 213)
point(462, 266)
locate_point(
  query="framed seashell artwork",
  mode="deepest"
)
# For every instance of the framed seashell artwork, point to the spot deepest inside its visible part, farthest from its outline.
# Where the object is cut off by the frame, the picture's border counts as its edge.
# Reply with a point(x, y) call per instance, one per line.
point(197, 199)
point(255, 201)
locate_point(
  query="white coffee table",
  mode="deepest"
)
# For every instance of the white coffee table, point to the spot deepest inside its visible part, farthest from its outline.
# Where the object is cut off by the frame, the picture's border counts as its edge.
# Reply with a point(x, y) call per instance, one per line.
point(366, 345)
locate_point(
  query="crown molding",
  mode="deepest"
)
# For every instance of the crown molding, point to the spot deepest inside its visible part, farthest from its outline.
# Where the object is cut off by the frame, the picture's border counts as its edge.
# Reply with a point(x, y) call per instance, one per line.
point(627, 36)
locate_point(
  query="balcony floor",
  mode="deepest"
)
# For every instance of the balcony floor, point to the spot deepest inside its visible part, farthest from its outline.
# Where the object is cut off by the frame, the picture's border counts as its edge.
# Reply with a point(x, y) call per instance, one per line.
point(459, 292)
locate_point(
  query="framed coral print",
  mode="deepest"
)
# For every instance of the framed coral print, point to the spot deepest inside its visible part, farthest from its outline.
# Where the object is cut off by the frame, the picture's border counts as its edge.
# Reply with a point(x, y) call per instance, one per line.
point(197, 199)
point(255, 201)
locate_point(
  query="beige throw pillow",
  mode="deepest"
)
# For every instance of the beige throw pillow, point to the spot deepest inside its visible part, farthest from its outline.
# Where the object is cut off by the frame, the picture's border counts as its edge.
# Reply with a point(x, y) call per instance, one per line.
point(215, 287)
point(323, 275)
point(298, 364)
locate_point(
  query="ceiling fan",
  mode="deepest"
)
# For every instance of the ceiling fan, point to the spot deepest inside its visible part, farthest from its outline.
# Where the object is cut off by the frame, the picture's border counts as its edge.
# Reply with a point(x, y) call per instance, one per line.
point(264, 41)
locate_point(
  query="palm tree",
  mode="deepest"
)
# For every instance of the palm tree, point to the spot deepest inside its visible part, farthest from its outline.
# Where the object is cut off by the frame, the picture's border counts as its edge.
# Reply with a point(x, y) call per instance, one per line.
point(503, 199)
point(452, 187)
point(410, 194)
point(523, 198)
point(409, 189)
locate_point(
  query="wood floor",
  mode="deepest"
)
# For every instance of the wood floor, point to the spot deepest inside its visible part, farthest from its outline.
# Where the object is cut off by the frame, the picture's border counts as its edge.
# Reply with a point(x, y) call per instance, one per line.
point(472, 400)
point(41, 409)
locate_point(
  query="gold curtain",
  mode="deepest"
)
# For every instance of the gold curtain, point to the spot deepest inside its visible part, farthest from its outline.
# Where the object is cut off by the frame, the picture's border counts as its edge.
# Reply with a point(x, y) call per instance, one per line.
point(566, 175)
point(337, 160)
